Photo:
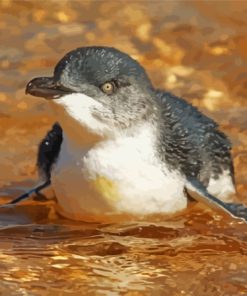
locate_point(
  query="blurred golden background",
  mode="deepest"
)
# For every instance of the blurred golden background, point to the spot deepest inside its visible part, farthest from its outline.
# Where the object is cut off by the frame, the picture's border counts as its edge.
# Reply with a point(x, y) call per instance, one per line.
point(195, 49)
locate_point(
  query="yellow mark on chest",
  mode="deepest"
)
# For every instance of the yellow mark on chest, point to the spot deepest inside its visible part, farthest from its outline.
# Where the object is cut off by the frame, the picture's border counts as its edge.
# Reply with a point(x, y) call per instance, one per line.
point(107, 188)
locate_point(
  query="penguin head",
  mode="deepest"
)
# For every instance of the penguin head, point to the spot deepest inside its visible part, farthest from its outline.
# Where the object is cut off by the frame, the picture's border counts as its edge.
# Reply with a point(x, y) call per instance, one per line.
point(100, 89)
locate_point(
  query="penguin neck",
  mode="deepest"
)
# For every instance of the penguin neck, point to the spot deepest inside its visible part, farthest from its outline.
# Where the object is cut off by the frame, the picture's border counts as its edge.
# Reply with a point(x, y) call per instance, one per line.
point(141, 137)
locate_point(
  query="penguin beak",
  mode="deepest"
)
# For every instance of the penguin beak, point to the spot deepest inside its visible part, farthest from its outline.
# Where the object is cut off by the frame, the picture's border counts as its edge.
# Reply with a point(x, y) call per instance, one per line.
point(45, 87)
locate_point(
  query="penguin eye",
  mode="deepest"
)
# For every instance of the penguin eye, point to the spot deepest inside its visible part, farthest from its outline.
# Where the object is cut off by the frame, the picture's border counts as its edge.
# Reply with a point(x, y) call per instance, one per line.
point(108, 87)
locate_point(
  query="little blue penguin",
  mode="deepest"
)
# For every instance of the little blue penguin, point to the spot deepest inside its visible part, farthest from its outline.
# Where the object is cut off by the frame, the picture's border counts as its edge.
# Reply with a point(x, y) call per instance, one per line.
point(122, 146)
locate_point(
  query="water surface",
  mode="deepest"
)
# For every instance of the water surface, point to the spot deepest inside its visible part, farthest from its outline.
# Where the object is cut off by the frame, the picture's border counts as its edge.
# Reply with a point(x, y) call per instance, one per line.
point(194, 49)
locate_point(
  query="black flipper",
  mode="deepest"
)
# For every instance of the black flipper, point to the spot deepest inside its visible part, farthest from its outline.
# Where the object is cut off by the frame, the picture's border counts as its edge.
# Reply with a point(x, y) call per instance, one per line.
point(35, 190)
point(49, 150)
point(197, 191)
point(47, 154)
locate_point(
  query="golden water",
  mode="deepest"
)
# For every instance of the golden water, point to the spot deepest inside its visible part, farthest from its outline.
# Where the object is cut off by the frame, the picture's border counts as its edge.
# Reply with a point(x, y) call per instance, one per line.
point(197, 253)
point(194, 49)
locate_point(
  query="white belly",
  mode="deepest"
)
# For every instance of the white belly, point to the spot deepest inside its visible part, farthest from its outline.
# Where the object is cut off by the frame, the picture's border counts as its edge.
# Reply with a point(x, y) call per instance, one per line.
point(116, 176)
point(222, 187)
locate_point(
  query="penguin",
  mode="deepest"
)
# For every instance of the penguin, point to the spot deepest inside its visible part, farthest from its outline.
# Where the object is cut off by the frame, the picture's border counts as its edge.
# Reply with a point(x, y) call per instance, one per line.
point(122, 146)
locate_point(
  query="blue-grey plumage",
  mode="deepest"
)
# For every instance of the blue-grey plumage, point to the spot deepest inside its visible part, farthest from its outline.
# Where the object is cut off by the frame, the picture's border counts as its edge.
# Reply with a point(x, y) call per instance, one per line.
point(112, 120)
point(204, 151)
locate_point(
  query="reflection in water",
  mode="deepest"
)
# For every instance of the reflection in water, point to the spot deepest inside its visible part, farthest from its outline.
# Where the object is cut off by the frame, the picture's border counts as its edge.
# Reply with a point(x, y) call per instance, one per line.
point(196, 50)
point(142, 257)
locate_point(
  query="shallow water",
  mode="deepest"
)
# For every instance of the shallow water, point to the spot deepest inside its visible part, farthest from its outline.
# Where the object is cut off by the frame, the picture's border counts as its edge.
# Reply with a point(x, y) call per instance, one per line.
point(196, 253)
point(194, 49)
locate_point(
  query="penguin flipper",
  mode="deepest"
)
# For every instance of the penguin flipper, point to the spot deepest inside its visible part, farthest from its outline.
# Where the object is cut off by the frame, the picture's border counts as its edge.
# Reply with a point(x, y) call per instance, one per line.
point(198, 191)
point(48, 152)
point(26, 195)
point(49, 149)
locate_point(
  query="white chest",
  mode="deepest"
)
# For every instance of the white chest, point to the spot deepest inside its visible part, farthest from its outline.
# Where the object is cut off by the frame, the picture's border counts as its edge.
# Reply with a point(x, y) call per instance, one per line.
point(119, 175)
